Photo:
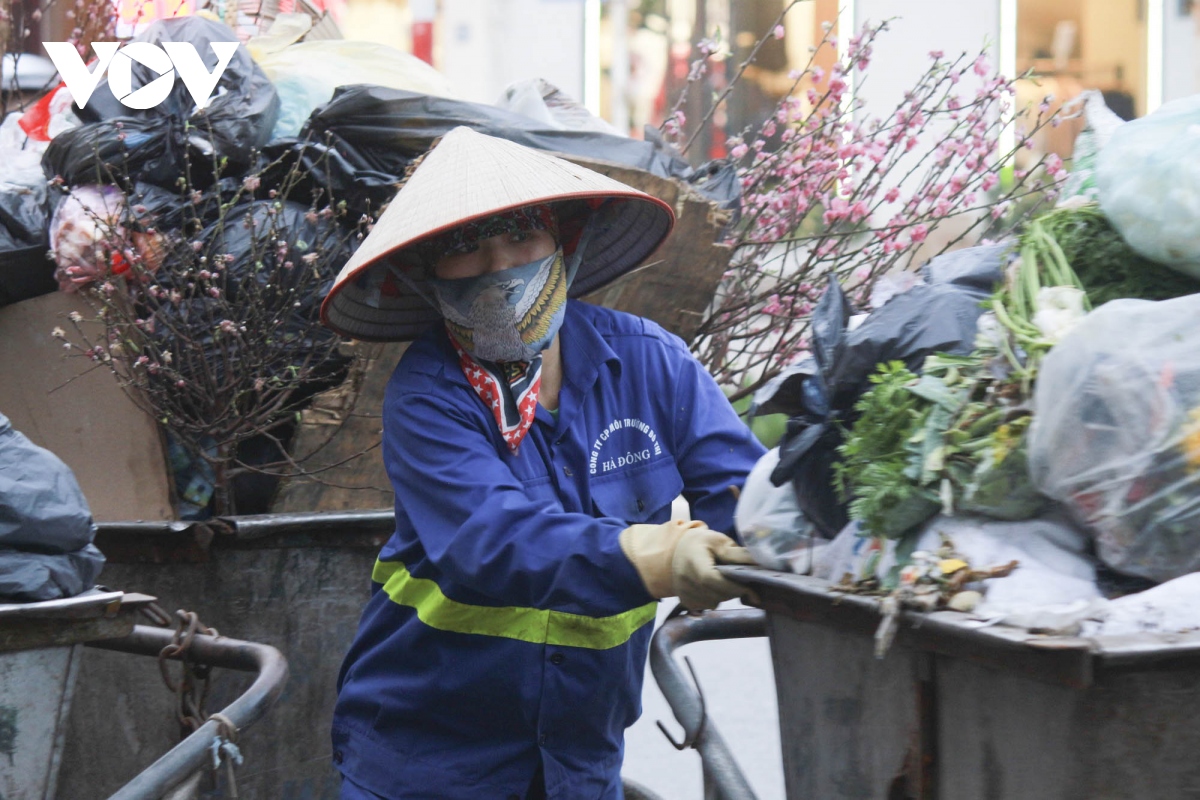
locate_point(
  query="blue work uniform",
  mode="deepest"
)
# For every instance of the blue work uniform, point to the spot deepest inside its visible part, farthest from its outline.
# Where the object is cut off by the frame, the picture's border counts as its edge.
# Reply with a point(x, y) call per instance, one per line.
point(506, 629)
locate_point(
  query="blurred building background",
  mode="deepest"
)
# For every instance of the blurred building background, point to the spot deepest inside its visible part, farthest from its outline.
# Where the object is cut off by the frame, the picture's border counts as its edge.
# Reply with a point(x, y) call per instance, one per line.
point(626, 59)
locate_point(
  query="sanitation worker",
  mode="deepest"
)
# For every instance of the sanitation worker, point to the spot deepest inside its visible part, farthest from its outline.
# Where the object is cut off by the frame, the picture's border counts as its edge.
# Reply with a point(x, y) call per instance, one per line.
point(535, 444)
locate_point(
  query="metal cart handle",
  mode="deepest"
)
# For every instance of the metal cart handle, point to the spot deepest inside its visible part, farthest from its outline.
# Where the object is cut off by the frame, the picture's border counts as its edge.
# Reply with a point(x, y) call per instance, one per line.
point(194, 752)
point(723, 778)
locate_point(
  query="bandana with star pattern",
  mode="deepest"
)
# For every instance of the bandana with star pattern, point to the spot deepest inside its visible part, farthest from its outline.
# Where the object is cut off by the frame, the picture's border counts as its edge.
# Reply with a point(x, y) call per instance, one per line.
point(510, 390)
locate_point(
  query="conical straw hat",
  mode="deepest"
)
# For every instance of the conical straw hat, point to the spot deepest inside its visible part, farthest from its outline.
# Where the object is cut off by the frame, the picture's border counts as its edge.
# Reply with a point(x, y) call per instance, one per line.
point(469, 176)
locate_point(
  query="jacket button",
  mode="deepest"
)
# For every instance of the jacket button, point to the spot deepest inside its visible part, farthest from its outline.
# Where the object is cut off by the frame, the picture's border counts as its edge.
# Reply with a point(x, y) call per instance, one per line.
point(542, 739)
point(567, 471)
point(337, 756)
point(557, 659)
point(641, 505)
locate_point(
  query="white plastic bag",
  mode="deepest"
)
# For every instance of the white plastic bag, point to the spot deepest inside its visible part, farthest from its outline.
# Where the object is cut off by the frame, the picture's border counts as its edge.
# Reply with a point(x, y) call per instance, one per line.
point(1116, 433)
point(85, 235)
point(1148, 181)
point(539, 99)
point(770, 522)
point(1100, 125)
point(1172, 607)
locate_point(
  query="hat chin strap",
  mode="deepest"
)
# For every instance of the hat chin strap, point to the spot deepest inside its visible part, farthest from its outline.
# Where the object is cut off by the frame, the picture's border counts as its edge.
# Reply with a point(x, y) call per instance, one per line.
point(410, 283)
point(575, 260)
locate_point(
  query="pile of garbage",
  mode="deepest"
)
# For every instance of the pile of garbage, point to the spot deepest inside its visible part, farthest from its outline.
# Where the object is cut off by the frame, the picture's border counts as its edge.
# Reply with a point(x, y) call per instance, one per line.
point(352, 114)
point(302, 143)
point(1016, 433)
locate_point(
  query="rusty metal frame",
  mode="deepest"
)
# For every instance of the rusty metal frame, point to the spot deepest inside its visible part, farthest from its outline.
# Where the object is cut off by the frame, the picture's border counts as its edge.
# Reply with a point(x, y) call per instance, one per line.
point(190, 755)
point(723, 778)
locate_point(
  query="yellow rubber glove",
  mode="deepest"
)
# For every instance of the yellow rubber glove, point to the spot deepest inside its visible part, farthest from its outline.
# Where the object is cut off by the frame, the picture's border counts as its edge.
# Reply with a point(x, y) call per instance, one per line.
point(680, 559)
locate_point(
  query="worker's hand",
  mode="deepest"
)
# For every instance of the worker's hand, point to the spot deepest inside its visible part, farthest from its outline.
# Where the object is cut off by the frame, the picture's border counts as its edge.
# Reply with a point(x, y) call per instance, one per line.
point(695, 577)
point(679, 559)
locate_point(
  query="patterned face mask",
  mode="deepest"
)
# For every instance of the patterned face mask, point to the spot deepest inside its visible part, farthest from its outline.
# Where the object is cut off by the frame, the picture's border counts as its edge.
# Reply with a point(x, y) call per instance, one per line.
point(510, 315)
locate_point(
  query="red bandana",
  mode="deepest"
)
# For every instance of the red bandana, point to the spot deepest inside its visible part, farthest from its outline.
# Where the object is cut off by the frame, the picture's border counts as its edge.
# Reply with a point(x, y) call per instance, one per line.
point(510, 390)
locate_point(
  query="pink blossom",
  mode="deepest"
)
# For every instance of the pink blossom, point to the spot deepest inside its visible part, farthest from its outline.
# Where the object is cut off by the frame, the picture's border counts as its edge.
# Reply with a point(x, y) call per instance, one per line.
point(918, 233)
point(892, 195)
point(1054, 164)
point(989, 181)
point(778, 32)
point(936, 54)
point(251, 183)
point(981, 66)
point(817, 74)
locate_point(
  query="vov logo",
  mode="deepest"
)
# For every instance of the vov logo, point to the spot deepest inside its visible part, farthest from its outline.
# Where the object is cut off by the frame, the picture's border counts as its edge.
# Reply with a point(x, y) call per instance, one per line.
point(178, 57)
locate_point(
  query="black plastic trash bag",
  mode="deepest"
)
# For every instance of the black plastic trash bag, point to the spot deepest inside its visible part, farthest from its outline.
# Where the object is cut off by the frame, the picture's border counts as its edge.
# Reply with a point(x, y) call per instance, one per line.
point(118, 151)
point(24, 270)
point(176, 211)
point(240, 114)
point(383, 129)
point(319, 172)
point(819, 394)
point(46, 527)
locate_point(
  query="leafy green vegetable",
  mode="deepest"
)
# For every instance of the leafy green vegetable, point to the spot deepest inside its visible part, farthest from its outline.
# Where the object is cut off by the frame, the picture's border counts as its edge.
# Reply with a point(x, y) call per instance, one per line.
point(1107, 267)
point(874, 473)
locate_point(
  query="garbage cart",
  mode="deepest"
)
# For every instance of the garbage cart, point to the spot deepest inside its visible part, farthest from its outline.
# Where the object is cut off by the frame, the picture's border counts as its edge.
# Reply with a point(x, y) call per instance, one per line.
point(956, 709)
point(41, 663)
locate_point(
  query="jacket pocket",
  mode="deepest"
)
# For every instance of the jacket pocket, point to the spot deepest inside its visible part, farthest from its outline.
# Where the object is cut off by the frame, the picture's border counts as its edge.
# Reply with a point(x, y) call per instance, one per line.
point(643, 494)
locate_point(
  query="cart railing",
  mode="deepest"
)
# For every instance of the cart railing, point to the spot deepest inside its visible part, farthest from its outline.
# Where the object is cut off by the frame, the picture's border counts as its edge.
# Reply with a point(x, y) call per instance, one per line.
point(723, 778)
point(194, 752)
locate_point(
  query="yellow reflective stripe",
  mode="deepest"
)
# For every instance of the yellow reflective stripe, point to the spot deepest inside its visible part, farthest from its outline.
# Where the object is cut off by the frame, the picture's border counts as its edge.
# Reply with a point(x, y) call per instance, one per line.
point(535, 625)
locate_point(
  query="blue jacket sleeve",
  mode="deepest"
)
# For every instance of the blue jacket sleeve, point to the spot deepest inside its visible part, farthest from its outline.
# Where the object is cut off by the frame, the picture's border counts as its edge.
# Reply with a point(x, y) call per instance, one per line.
point(479, 527)
point(714, 448)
